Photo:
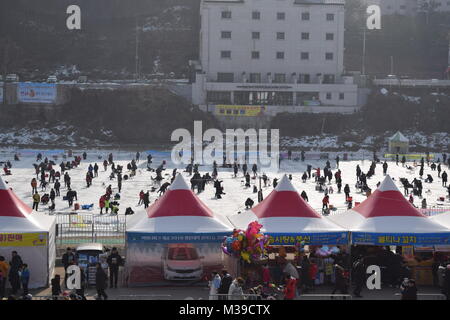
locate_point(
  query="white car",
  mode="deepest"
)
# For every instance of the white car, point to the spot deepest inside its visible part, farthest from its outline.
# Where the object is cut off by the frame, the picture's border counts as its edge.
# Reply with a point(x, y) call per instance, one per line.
point(182, 262)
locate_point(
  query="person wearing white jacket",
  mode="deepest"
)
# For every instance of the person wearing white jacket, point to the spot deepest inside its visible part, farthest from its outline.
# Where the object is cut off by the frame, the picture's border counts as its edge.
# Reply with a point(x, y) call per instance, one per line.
point(235, 292)
point(214, 285)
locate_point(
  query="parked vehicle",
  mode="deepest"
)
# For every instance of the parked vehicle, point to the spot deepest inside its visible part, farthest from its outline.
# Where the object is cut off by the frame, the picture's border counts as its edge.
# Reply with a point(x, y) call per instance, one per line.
point(182, 262)
point(12, 77)
point(52, 79)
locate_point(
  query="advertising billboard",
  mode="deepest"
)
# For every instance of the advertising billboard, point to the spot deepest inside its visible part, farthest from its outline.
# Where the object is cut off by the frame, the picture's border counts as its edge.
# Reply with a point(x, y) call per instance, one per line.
point(240, 111)
point(36, 92)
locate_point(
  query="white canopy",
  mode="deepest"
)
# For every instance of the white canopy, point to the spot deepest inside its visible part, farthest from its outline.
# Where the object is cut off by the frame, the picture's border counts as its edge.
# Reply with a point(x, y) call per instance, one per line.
point(285, 211)
point(387, 211)
point(179, 210)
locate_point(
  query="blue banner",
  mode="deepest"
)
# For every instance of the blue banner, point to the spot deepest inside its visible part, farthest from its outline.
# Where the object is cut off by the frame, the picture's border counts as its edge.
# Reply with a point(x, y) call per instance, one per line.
point(401, 239)
point(133, 237)
point(290, 239)
point(36, 92)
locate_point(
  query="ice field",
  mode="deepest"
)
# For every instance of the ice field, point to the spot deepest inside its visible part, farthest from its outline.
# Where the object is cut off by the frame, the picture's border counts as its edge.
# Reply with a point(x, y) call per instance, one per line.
point(236, 193)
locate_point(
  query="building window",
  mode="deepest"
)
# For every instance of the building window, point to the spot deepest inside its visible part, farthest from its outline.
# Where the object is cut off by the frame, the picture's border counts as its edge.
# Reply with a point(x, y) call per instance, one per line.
point(329, 56)
point(226, 34)
point(280, 35)
point(255, 54)
point(280, 55)
point(279, 78)
point(225, 54)
point(225, 77)
point(328, 96)
point(219, 97)
point(304, 78)
point(330, 16)
point(328, 78)
point(255, 77)
point(305, 35)
point(329, 36)
point(256, 15)
point(305, 16)
point(226, 14)
point(304, 55)
point(256, 35)
point(341, 96)
point(263, 98)
point(281, 15)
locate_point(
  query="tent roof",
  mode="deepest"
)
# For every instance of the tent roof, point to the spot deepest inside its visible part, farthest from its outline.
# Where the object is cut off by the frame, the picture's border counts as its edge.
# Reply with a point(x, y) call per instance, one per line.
point(11, 205)
point(285, 211)
point(16, 216)
point(178, 210)
point(386, 210)
point(179, 200)
point(284, 201)
point(442, 218)
point(398, 136)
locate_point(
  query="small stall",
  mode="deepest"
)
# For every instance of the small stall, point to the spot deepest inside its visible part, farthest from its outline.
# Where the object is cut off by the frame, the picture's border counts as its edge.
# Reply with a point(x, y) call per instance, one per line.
point(176, 240)
point(398, 144)
point(30, 233)
point(294, 230)
point(387, 219)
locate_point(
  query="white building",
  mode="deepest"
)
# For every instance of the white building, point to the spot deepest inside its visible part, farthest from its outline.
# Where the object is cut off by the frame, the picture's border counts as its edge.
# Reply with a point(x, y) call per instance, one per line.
point(410, 7)
point(286, 55)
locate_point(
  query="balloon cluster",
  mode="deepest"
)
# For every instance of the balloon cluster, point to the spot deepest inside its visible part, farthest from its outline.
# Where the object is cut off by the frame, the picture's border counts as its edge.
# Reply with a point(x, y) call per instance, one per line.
point(250, 245)
point(325, 251)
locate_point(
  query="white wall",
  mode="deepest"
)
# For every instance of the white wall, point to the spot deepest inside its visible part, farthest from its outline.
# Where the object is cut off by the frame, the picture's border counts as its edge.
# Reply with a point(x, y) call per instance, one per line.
point(241, 44)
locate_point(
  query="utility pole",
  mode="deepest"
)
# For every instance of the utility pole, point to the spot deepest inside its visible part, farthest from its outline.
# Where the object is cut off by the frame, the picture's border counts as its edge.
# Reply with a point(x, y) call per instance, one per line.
point(137, 77)
point(363, 68)
point(5, 67)
point(392, 65)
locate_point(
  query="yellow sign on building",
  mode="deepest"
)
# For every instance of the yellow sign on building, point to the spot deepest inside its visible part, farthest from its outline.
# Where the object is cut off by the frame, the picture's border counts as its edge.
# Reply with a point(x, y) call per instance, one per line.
point(240, 111)
point(23, 239)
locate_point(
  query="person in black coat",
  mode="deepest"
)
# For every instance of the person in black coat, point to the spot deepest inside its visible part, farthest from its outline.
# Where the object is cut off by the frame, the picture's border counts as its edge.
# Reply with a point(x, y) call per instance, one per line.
point(68, 259)
point(114, 262)
point(359, 273)
point(56, 286)
point(225, 284)
point(100, 282)
point(14, 278)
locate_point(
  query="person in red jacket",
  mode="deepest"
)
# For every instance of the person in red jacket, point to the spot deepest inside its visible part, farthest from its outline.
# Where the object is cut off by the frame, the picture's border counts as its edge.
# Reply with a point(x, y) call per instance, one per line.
point(289, 290)
point(266, 275)
point(102, 203)
point(141, 197)
point(313, 269)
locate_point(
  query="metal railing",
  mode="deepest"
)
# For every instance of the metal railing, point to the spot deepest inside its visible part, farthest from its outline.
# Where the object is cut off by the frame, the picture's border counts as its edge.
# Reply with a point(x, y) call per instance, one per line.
point(142, 297)
point(222, 296)
point(325, 296)
point(427, 296)
point(81, 228)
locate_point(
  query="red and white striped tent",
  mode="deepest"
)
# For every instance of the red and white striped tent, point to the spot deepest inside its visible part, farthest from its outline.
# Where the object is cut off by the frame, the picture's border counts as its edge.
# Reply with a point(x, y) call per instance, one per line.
point(179, 210)
point(386, 212)
point(30, 233)
point(284, 212)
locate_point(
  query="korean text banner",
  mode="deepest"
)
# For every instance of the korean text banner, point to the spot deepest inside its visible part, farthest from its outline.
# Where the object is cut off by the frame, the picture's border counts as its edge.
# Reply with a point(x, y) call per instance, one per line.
point(400, 239)
point(23, 239)
point(175, 237)
point(290, 239)
point(239, 111)
point(36, 92)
